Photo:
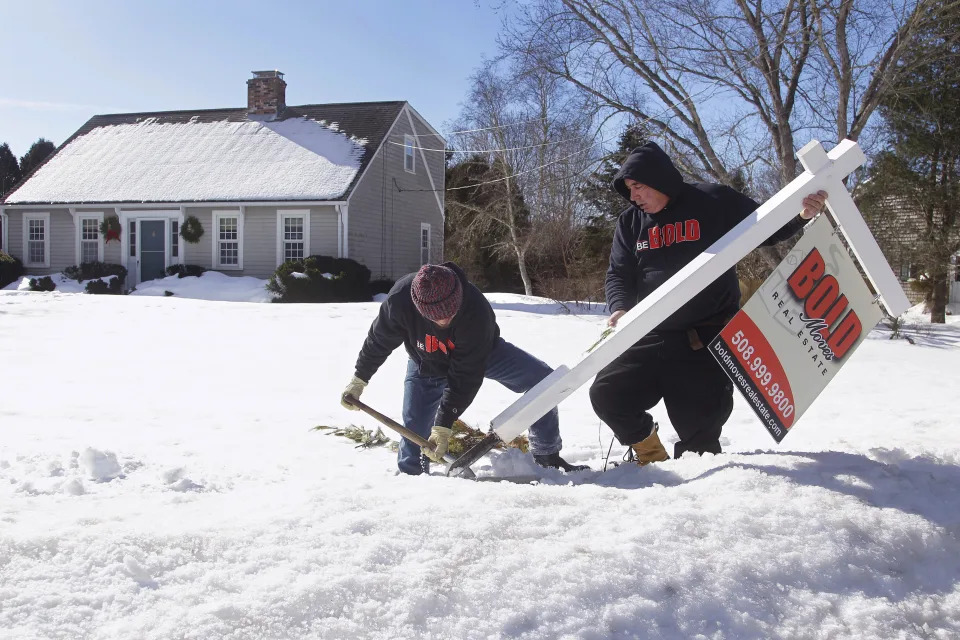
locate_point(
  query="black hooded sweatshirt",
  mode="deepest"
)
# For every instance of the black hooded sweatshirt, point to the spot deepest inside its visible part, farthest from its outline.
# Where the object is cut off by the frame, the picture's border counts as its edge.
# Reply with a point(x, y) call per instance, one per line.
point(650, 248)
point(459, 353)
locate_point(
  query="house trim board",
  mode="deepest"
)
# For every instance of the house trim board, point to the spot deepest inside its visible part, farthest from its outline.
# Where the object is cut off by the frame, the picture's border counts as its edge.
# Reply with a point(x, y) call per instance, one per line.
point(4, 230)
point(343, 227)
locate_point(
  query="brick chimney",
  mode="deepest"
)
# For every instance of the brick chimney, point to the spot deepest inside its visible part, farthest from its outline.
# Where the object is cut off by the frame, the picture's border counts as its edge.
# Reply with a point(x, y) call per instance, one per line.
point(266, 93)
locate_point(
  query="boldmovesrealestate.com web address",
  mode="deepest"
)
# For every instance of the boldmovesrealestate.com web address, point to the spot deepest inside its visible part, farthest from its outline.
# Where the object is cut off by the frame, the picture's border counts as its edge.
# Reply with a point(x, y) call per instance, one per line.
point(746, 385)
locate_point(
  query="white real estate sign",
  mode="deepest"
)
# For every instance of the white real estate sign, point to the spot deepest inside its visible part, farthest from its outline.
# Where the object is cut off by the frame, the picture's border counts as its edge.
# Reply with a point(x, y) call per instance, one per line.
point(786, 344)
point(822, 171)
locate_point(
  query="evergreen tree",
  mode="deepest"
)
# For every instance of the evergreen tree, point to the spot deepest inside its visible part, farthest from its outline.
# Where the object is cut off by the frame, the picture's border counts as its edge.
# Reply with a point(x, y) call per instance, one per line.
point(33, 158)
point(607, 204)
point(473, 237)
point(921, 169)
point(599, 190)
point(9, 169)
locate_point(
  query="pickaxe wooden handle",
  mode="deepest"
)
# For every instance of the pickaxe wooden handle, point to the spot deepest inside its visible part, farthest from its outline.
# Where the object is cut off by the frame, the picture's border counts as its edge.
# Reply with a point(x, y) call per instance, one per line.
point(406, 433)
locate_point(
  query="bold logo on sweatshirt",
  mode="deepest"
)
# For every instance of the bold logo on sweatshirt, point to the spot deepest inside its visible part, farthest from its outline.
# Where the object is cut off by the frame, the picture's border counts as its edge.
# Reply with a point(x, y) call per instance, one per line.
point(431, 344)
point(686, 231)
point(823, 304)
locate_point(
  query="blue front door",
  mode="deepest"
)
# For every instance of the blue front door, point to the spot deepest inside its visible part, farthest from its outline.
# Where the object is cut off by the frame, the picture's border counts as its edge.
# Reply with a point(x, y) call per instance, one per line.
point(153, 255)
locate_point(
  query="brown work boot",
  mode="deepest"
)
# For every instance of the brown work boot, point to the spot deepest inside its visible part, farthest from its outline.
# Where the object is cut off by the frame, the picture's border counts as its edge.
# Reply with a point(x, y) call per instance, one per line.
point(649, 450)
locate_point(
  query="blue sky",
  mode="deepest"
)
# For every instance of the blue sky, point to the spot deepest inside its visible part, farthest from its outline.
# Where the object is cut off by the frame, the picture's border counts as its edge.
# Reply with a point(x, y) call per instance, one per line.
point(67, 61)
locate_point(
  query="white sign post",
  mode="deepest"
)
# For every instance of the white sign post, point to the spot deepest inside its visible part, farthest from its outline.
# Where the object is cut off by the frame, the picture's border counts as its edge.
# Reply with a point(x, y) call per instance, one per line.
point(823, 172)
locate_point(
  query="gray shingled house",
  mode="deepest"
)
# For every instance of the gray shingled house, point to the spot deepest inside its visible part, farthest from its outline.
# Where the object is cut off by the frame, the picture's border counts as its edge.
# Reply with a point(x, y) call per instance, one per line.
point(267, 183)
point(898, 224)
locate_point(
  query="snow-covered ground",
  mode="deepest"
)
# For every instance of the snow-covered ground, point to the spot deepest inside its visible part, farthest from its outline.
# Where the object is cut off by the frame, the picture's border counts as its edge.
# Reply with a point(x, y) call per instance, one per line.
point(159, 479)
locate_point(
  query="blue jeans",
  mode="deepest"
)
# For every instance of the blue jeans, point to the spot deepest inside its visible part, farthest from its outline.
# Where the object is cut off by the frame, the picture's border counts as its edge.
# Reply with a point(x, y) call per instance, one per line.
point(511, 366)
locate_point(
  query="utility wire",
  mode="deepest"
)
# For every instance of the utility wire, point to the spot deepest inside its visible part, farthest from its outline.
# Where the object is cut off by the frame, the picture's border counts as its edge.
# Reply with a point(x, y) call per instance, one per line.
point(453, 133)
point(664, 111)
point(529, 146)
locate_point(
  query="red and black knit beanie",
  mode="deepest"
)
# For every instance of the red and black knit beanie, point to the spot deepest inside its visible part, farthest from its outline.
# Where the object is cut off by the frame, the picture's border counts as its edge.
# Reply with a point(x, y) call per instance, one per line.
point(436, 292)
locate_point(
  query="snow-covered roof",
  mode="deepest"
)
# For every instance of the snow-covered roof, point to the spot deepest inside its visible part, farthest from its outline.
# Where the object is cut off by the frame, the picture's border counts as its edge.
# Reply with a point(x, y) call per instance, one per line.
point(210, 156)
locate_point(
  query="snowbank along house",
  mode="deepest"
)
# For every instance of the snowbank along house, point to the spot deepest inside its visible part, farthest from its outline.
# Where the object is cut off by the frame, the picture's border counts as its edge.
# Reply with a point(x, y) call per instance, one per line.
point(267, 183)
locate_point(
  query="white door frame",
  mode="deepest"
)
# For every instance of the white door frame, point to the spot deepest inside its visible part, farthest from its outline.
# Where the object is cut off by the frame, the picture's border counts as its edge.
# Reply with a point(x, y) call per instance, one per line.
point(135, 217)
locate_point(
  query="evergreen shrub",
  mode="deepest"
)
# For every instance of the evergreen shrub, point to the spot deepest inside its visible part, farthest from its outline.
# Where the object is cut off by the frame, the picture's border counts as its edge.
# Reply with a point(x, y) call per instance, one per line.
point(381, 285)
point(42, 284)
point(185, 270)
point(112, 287)
point(96, 270)
point(10, 269)
point(304, 280)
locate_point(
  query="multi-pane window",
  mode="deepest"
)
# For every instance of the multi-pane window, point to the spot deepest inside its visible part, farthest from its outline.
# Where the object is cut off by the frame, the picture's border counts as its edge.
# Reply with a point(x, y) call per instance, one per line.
point(228, 241)
point(409, 160)
point(293, 238)
point(175, 238)
point(424, 243)
point(89, 240)
point(36, 241)
point(132, 232)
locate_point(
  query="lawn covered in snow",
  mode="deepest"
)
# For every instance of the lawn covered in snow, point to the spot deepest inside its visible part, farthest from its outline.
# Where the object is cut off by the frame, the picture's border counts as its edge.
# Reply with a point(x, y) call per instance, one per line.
point(160, 478)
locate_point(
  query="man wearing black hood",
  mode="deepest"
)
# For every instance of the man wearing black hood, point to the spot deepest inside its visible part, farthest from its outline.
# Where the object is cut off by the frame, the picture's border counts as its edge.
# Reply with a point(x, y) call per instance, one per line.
point(668, 224)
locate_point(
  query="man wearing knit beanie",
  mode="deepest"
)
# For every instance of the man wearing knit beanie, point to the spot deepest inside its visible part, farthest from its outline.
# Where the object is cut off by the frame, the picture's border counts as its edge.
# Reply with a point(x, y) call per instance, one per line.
point(437, 293)
point(453, 342)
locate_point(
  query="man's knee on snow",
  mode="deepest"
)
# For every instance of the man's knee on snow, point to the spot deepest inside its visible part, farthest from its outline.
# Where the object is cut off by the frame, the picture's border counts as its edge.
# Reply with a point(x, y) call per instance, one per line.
point(702, 433)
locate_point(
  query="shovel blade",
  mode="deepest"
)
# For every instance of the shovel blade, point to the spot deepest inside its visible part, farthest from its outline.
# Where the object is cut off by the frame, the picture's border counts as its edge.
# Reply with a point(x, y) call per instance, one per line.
point(461, 466)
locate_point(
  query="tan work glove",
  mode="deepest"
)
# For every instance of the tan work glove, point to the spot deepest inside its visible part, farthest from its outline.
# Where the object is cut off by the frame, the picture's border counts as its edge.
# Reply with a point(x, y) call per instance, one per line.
point(355, 388)
point(440, 439)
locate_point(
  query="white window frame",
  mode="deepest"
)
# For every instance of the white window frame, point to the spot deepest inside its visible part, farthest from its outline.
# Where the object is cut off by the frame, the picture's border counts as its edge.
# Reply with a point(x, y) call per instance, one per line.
point(409, 151)
point(173, 240)
point(45, 217)
point(130, 238)
point(292, 213)
point(219, 214)
point(425, 226)
point(78, 246)
point(4, 232)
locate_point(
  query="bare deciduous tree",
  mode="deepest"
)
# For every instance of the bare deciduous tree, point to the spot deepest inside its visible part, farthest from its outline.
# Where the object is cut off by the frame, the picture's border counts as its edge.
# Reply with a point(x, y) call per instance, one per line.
point(536, 151)
point(727, 84)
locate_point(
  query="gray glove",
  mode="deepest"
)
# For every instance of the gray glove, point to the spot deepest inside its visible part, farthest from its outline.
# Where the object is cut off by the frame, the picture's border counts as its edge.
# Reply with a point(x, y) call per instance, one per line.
point(355, 388)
